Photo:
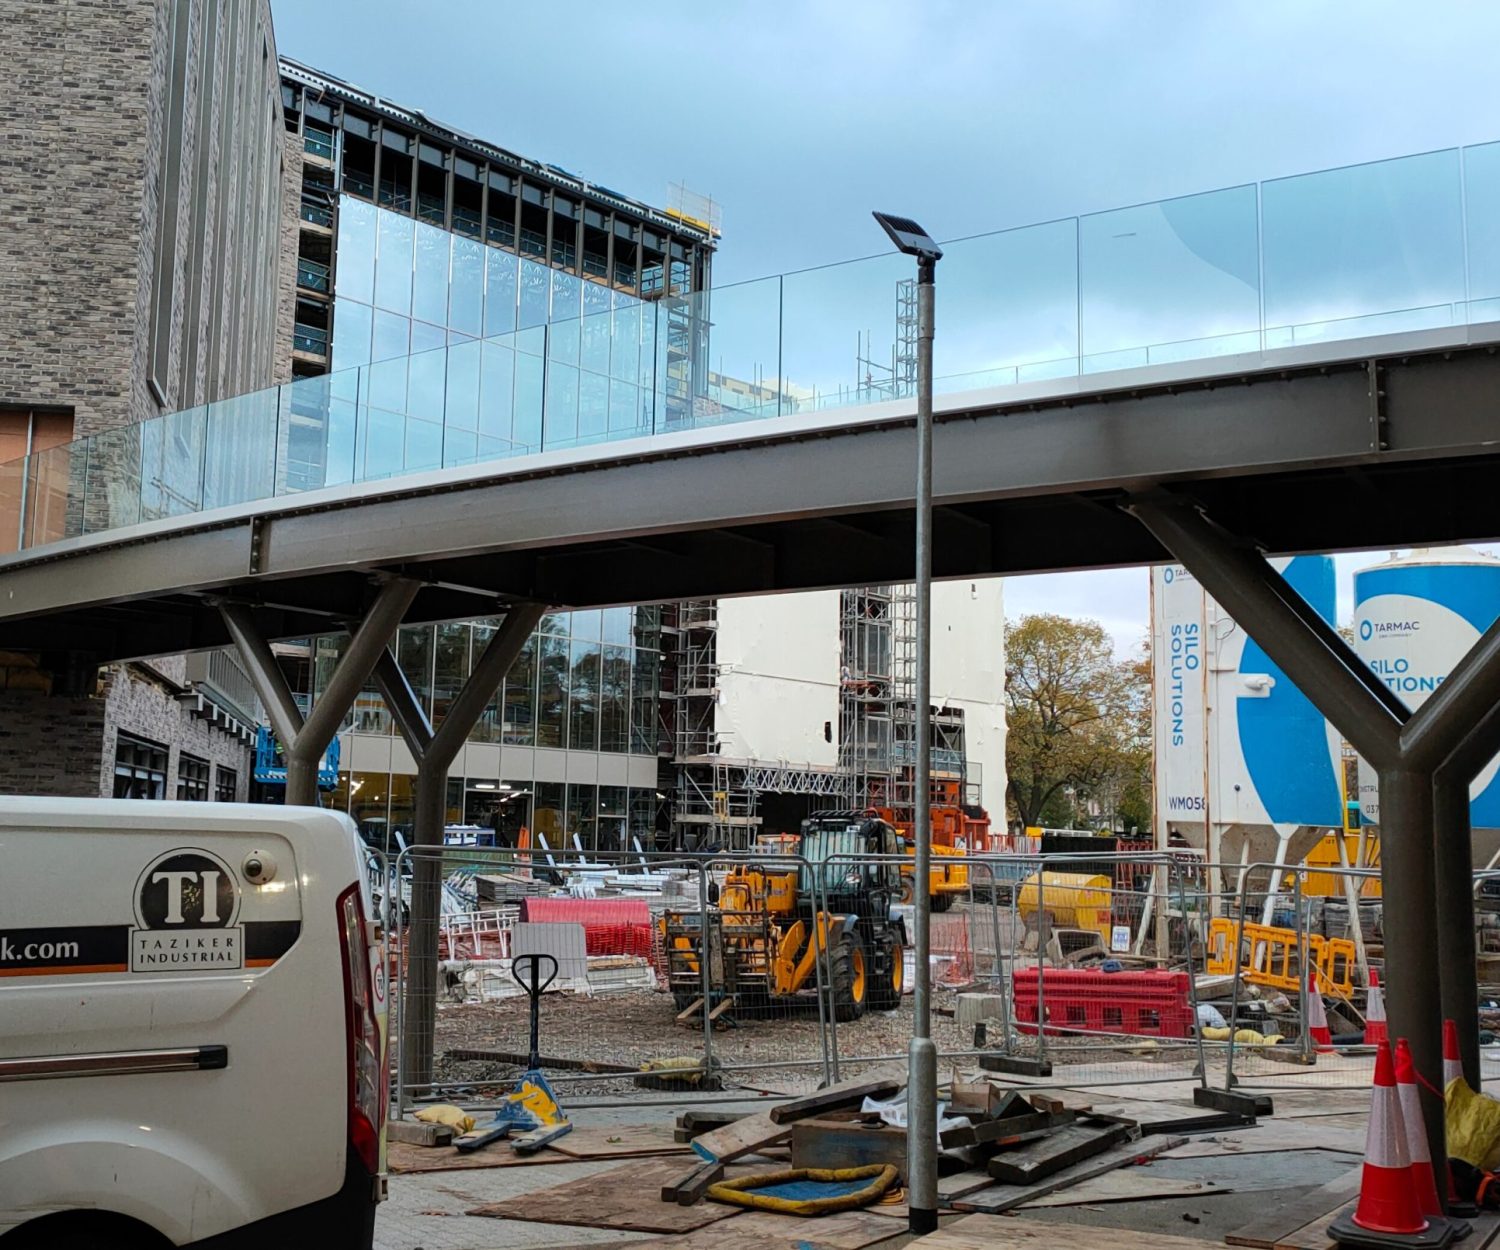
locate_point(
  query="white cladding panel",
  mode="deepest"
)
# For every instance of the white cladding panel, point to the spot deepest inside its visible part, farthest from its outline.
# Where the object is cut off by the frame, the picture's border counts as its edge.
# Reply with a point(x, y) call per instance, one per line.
point(968, 672)
point(779, 677)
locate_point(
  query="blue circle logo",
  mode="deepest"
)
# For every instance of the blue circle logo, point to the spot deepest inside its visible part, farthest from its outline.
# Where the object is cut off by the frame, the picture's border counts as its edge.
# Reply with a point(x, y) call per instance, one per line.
point(1365, 630)
point(1169, 575)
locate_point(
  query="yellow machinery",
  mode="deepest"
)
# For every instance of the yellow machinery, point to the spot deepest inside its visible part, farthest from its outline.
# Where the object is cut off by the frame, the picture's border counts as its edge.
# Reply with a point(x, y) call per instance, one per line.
point(771, 924)
point(957, 832)
point(1326, 855)
point(1074, 900)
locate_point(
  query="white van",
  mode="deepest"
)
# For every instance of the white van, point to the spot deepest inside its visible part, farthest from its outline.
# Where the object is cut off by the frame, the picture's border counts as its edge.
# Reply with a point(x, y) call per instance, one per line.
point(192, 1028)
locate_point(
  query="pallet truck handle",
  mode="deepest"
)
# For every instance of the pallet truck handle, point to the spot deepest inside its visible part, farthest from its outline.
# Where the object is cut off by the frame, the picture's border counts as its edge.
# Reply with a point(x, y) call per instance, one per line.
point(532, 982)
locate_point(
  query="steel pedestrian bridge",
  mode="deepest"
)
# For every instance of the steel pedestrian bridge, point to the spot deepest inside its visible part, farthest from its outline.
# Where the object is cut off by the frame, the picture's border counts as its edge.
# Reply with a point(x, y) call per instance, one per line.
point(1306, 365)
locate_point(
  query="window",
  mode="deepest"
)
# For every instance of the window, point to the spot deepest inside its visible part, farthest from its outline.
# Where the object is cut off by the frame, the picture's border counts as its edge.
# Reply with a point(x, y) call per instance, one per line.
point(140, 768)
point(226, 785)
point(192, 778)
point(583, 717)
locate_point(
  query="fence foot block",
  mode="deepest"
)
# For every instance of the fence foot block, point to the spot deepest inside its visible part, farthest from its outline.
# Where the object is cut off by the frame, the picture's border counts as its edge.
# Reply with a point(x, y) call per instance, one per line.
point(1019, 1064)
point(1248, 1105)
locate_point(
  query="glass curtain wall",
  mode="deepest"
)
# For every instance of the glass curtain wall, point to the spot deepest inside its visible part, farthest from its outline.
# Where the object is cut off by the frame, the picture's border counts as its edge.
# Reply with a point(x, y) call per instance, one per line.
point(585, 681)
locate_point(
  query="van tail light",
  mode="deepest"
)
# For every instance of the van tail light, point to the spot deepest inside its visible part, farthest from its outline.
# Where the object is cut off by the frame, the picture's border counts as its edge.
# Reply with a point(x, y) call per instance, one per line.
point(366, 1066)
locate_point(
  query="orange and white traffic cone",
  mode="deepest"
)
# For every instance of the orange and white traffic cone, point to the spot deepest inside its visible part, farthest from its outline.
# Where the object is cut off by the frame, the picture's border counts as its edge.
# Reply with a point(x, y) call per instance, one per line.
point(1376, 1033)
point(1389, 1212)
point(1453, 1064)
point(1416, 1131)
point(1453, 1070)
point(1317, 1018)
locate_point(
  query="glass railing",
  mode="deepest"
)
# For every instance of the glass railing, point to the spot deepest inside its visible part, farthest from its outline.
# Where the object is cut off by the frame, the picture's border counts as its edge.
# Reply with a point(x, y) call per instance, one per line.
point(313, 275)
point(317, 214)
point(1408, 244)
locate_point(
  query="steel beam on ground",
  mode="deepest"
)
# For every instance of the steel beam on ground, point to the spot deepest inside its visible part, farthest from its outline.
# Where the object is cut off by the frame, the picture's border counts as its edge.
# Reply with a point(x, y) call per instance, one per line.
point(434, 751)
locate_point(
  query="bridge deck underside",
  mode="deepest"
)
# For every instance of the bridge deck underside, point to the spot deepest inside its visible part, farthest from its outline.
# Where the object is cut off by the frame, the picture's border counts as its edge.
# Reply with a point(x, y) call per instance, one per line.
point(1369, 452)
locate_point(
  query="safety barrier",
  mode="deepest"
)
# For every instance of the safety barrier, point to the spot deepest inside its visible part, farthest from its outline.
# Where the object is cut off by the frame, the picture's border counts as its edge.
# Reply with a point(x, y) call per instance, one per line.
point(1144, 1004)
point(1275, 956)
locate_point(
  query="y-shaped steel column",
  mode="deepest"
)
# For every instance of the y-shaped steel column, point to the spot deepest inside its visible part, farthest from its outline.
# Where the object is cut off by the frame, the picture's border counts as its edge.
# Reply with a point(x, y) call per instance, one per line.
point(1406, 748)
point(305, 740)
point(1455, 884)
point(434, 751)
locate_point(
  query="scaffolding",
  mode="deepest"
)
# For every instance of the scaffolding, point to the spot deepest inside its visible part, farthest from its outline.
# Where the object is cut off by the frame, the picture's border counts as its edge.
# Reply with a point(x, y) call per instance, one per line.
point(896, 378)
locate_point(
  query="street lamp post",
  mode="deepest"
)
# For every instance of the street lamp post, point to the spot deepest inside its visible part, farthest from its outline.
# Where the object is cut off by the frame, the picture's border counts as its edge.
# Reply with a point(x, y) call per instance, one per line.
point(921, 1079)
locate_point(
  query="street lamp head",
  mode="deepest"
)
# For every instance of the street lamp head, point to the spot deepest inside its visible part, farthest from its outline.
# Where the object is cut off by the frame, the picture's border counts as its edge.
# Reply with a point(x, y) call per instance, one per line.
point(909, 237)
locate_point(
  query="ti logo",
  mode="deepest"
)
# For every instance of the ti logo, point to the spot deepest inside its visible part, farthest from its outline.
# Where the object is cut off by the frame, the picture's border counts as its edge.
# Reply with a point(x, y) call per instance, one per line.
point(193, 895)
point(187, 889)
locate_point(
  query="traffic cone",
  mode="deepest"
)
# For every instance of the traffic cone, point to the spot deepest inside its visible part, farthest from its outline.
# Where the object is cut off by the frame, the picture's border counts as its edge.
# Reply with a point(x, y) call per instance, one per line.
point(1317, 1018)
point(1416, 1130)
point(1389, 1213)
point(1453, 1064)
point(1376, 1033)
point(1453, 1070)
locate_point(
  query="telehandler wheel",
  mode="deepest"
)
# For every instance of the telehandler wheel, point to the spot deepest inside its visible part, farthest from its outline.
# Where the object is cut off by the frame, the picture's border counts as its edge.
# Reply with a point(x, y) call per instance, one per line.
point(942, 902)
point(886, 987)
point(851, 982)
point(908, 891)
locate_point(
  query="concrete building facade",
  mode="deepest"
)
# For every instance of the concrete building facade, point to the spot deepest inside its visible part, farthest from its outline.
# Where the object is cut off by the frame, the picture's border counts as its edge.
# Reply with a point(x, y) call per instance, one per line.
point(143, 272)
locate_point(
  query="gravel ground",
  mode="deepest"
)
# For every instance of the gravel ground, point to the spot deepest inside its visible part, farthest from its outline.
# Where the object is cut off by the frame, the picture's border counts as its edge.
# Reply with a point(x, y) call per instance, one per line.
point(781, 1051)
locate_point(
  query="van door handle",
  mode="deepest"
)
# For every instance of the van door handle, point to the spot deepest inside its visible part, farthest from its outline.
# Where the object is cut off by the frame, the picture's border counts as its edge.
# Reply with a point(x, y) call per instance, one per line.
point(115, 1063)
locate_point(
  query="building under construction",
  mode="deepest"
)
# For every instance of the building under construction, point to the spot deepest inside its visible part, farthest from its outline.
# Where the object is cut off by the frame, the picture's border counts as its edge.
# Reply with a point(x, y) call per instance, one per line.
point(691, 724)
point(778, 707)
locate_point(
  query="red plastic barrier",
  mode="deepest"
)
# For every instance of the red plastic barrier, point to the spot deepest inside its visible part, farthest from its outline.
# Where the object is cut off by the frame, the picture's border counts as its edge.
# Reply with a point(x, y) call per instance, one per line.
point(1148, 1004)
point(611, 926)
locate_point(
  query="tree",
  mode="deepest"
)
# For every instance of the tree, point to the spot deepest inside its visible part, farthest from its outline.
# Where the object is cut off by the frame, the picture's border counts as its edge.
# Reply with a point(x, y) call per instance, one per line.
point(1078, 733)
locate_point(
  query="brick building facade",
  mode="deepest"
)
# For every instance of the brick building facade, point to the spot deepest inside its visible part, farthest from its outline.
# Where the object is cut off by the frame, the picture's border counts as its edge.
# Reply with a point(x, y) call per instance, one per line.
point(147, 268)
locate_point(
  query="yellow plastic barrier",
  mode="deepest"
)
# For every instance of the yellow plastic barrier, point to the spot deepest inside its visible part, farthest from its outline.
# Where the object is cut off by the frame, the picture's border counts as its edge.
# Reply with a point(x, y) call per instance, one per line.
point(1273, 956)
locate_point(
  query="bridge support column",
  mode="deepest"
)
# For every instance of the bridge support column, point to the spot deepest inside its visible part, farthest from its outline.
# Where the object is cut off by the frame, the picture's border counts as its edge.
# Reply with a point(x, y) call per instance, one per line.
point(305, 739)
point(1427, 954)
point(434, 751)
point(1455, 885)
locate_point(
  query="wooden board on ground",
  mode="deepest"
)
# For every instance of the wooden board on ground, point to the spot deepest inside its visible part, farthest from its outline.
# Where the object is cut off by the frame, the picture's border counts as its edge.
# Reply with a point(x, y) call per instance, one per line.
point(628, 1141)
point(1034, 1161)
point(960, 1184)
point(844, 1094)
point(1125, 1185)
point(999, 1198)
point(983, 1232)
point(402, 1157)
point(1162, 1117)
point(626, 1198)
point(1271, 1136)
point(690, 1186)
point(754, 1131)
point(763, 1230)
point(832, 1144)
point(743, 1137)
point(419, 1133)
point(1274, 1225)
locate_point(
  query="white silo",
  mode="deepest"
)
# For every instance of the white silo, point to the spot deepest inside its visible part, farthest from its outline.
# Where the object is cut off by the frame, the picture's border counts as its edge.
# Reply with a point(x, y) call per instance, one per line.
point(1415, 617)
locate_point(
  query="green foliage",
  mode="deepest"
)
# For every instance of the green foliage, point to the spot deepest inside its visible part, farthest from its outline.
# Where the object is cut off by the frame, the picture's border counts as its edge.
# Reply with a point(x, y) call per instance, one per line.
point(1078, 735)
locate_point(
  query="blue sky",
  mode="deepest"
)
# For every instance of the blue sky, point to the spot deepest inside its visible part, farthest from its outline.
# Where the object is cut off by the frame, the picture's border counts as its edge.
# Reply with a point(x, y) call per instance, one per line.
point(971, 117)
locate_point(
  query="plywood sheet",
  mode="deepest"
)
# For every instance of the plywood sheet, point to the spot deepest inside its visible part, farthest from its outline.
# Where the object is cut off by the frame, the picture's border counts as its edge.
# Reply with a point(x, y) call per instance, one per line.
point(627, 1198)
point(984, 1232)
point(1271, 1227)
point(626, 1141)
point(763, 1230)
point(998, 1198)
point(1125, 1185)
point(402, 1157)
